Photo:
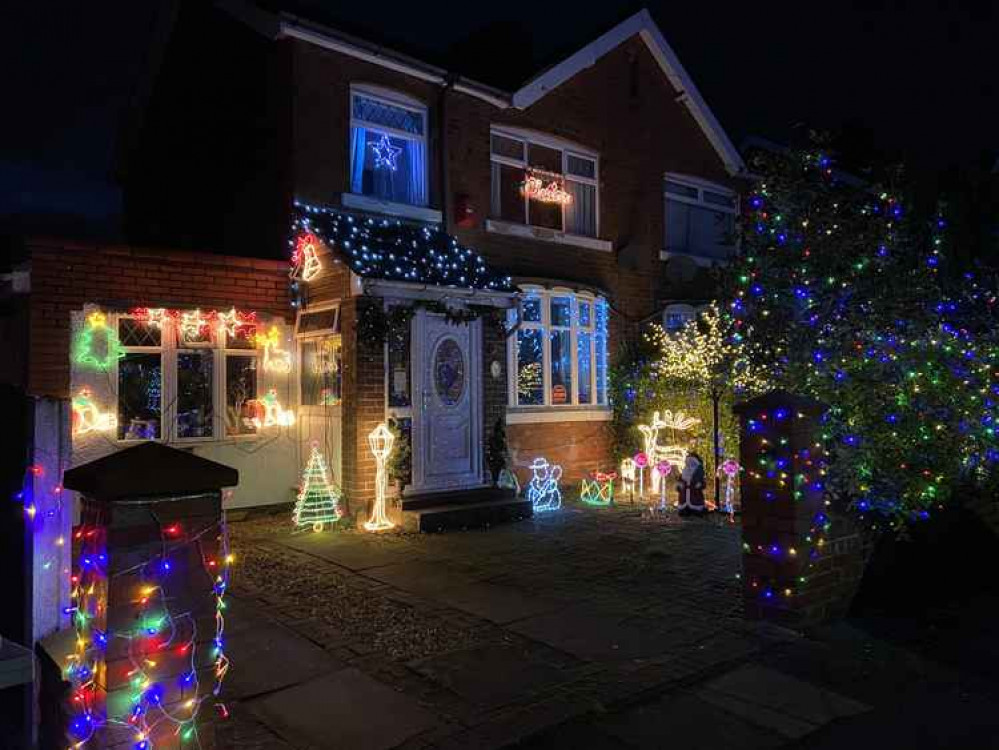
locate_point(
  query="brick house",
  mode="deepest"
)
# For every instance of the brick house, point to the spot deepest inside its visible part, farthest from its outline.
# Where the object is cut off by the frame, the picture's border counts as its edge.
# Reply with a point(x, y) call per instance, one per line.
point(461, 254)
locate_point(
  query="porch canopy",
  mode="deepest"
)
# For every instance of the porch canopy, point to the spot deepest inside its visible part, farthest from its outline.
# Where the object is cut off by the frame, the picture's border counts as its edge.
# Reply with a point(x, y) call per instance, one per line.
point(398, 251)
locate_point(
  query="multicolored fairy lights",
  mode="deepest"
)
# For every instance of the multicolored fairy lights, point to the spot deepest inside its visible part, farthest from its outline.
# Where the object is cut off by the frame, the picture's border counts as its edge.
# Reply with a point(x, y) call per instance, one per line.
point(839, 289)
point(542, 490)
point(318, 503)
point(380, 440)
point(142, 642)
point(96, 354)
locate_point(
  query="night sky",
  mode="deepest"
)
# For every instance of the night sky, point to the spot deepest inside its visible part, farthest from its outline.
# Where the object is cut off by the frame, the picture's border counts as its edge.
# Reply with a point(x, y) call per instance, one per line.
point(910, 78)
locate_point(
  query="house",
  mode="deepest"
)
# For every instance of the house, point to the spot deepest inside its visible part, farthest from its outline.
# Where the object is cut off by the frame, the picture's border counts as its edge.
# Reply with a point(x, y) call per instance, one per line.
point(401, 243)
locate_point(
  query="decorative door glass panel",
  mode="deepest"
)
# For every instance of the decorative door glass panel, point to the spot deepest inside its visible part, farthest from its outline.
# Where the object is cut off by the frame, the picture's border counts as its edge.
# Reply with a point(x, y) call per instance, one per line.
point(194, 394)
point(319, 372)
point(449, 372)
point(140, 396)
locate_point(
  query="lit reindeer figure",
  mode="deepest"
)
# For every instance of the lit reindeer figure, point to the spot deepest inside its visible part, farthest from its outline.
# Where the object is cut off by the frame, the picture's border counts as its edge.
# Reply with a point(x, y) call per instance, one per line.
point(676, 452)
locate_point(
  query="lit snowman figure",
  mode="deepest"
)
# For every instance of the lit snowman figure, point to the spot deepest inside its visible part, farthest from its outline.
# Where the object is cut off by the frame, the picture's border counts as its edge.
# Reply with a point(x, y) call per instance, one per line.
point(730, 469)
point(542, 490)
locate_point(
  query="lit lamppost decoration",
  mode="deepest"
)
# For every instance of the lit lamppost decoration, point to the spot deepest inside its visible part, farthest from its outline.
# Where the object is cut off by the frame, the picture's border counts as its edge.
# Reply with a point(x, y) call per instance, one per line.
point(380, 440)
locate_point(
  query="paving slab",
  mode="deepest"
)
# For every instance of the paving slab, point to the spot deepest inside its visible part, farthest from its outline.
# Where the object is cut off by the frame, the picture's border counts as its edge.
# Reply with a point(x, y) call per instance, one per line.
point(496, 602)
point(777, 701)
point(597, 634)
point(269, 657)
point(346, 709)
point(493, 675)
point(424, 577)
point(347, 550)
point(689, 723)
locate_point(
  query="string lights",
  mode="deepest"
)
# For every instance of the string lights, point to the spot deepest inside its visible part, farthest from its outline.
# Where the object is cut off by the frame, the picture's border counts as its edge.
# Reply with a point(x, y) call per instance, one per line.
point(542, 489)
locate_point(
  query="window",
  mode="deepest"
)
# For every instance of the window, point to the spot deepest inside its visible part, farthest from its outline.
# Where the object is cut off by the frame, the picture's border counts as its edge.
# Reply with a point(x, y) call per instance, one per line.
point(567, 180)
point(171, 373)
point(700, 218)
point(559, 355)
point(675, 317)
point(388, 148)
point(320, 348)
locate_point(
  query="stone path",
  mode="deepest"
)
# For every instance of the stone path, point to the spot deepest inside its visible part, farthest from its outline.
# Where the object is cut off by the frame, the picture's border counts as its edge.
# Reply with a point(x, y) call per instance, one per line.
point(585, 628)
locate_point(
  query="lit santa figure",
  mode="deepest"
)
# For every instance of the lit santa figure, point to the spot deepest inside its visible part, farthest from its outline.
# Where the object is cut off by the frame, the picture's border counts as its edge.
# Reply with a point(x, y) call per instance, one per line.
point(691, 486)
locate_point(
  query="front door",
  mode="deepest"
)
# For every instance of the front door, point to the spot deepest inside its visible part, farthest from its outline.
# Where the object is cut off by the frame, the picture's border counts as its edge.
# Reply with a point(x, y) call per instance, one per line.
point(446, 419)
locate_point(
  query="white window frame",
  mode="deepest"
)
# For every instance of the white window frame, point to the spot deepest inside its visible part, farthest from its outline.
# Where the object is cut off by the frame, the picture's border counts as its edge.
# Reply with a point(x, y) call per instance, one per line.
point(392, 99)
point(567, 149)
point(701, 186)
point(545, 296)
point(170, 346)
point(319, 333)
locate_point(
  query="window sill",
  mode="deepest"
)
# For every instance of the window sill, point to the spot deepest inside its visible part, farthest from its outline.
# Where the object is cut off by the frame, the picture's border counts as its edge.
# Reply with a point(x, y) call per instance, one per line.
point(540, 414)
point(697, 258)
point(402, 210)
point(547, 235)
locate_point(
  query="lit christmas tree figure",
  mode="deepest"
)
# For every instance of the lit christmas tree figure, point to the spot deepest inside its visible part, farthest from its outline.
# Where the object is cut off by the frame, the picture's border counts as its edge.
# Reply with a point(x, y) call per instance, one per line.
point(318, 502)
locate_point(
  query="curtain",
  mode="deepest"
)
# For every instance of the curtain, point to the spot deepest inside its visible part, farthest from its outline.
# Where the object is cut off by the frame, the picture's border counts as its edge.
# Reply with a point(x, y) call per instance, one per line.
point(417, 151)
point(358, 151)
point(581, 213)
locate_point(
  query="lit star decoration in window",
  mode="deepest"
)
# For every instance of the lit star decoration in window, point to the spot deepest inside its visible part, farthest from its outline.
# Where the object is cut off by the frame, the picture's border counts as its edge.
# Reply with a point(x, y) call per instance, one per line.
point(386, 155)
point(397, 251)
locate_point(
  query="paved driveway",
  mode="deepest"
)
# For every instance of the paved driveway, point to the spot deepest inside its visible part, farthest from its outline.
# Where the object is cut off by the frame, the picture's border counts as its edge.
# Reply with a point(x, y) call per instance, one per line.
point(484, 638)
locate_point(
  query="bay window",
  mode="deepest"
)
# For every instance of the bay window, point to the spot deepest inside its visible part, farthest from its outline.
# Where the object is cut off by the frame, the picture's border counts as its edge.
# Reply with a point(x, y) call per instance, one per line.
point(540, 182)
point(559, 354)
point(700, 218)
point(388, 147)
point(183, 379)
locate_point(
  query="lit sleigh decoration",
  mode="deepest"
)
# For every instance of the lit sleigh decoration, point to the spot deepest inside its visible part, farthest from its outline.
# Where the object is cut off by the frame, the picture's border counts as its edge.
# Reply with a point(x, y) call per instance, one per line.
point(545, 187)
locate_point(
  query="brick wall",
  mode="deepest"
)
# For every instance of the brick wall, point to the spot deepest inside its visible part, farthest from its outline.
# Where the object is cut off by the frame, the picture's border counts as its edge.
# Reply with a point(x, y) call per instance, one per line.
point(578, 447)
point(494, 389)
point(65, 276)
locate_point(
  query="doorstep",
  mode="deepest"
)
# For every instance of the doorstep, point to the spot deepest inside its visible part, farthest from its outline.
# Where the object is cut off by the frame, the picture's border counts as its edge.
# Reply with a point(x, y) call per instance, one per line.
point(475, 508)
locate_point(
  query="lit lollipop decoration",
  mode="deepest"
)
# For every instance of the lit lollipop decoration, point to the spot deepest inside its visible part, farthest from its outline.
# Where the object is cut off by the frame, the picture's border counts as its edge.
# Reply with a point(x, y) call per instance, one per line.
point(641, 461)
point(731, 469)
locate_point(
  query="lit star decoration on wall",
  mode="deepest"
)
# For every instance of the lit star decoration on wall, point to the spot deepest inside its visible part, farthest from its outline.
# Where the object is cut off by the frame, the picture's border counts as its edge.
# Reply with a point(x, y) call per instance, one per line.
point(194, 324)
point(158, 646)
point(397, 251)
point(386, 155)
point(380, 440)
point(94, 354)
point(542, 490)
point(318, 503)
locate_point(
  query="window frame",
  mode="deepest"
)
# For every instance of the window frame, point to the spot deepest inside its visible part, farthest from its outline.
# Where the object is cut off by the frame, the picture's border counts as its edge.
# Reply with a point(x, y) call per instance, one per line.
point(302, 337)
point(545, 297)
point(701, 186)
point(170, 347)
point(566, 148)
point(393, 99)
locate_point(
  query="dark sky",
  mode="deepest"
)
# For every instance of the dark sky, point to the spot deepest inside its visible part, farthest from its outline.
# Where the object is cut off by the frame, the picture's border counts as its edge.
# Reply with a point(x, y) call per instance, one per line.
point(915, 77)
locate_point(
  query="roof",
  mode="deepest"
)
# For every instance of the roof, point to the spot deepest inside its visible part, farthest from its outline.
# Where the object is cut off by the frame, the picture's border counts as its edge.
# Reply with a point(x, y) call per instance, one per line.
point(377, 248)
point(149, 470)
point(640, 24)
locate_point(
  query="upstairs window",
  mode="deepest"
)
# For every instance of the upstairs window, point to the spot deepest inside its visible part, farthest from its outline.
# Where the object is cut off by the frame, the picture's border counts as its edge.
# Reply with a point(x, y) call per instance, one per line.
point(542, 184)
point(388, 148)
point(700, 218)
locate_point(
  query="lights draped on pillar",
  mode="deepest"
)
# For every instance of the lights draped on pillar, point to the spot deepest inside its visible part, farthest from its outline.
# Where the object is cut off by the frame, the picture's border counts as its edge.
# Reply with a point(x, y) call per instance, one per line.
point(380, 440)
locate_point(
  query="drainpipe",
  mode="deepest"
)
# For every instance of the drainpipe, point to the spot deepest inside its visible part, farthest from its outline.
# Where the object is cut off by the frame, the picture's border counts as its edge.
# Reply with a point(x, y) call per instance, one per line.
point(445, 173)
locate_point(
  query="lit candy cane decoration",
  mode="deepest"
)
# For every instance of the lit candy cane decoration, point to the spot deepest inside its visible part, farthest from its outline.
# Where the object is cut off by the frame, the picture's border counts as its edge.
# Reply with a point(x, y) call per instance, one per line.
point(380, 440)
point(730, 468)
